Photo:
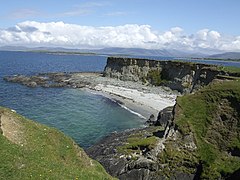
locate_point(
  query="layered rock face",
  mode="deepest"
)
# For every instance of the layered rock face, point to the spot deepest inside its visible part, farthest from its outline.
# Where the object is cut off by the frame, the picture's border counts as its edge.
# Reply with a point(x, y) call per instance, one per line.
point(198, 138)
point(184, 77)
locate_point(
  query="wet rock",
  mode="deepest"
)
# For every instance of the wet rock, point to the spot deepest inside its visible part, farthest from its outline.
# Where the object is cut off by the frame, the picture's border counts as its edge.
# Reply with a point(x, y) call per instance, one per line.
point(30, 84)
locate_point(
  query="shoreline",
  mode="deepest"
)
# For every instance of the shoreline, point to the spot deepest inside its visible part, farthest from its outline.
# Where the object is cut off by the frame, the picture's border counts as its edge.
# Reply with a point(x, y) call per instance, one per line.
point(131, 107)
point(135, 97)
point(137, 102)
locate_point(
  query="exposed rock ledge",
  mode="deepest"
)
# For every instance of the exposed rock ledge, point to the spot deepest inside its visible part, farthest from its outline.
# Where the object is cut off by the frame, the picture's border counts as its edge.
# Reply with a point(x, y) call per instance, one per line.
point(138, 159)
point(198, 138)
point(184, 77)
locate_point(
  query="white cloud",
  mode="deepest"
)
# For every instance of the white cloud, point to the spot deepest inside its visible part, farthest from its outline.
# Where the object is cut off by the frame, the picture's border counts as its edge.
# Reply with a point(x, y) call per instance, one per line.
point(129, 35)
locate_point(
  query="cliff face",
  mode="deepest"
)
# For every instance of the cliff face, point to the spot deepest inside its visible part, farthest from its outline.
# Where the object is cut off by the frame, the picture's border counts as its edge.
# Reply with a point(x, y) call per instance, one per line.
point(181, 76)
point(198, 138)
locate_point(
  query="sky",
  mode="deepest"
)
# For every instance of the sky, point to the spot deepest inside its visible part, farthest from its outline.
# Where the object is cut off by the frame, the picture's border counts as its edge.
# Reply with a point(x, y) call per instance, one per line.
point(187, 25)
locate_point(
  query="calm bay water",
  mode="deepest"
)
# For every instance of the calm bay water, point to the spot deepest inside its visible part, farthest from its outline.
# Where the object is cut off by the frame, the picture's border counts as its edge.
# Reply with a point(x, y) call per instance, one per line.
point(84, 116)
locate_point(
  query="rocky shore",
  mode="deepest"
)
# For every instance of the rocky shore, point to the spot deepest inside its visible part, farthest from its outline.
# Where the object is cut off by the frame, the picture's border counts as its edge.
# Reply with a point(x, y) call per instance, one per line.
point(139, 98)
point(186, 135)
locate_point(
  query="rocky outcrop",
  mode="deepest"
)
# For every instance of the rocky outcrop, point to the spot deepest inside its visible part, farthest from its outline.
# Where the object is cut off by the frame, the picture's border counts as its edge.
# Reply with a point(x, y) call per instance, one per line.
point(184, 77)
point(198, 138)
point(55, 80)
point(139, 159)
point(162, 119)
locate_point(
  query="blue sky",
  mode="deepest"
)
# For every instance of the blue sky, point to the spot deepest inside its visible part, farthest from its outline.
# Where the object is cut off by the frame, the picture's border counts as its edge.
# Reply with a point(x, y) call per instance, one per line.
point(191, 16)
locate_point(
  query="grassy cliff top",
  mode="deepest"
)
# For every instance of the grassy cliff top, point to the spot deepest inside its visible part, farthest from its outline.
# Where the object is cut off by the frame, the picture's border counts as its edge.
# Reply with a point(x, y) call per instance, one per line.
point(29, 150)
point(213, 116)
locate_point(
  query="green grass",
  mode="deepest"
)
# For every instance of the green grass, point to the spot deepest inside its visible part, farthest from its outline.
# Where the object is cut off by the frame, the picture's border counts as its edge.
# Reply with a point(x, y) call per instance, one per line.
point(155, 77)
point(198, 113)
point(46, 154)
point(136, 142)
point(230, 69)
point(142, 140)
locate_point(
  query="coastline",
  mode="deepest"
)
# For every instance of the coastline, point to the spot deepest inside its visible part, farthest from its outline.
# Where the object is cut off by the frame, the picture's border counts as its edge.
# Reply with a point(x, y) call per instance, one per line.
point(137, 102)
point(135, 97)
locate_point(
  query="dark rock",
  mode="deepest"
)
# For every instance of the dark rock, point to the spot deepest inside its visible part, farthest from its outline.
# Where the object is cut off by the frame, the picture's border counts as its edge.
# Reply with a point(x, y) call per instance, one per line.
point(121, 165)
point(235, 151)
point(135, 174)
point(164, 117)
point(234, 176)
point(144, 163)
point(182, 176)
point(151, 121)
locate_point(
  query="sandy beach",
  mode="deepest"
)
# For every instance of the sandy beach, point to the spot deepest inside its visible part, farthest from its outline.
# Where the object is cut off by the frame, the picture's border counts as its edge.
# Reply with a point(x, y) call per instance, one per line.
point(142, 103)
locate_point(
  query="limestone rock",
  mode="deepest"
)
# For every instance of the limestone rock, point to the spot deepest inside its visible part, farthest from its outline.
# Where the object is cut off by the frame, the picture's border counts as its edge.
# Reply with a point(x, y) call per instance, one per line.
point(181, 76)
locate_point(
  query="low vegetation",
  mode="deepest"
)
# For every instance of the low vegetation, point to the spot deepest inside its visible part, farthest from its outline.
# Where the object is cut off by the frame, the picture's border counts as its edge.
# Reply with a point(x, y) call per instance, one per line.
point(231, 70)
point(139, 142)
point(210, 119)
point(41, 152)
point(213, 116)
point(155, 77)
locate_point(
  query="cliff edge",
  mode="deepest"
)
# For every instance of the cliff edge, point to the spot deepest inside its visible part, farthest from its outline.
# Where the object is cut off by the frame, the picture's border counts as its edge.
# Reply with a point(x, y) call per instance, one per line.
point(198, 138)
point(184, 77)
point(29, 150)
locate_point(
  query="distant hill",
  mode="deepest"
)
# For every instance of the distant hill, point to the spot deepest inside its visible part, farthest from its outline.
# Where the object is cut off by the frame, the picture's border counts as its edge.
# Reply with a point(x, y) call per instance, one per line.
point(113, 51)
point(51, 49)
point(227, 55)
point(110, 51)
point(135, 51)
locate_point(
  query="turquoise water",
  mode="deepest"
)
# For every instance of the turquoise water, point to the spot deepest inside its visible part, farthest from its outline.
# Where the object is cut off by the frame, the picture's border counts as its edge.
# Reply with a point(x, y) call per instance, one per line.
point(84, 116)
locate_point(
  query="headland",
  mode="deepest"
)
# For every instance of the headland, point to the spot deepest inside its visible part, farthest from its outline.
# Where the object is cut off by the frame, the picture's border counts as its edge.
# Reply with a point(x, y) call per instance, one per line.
point(193, 132)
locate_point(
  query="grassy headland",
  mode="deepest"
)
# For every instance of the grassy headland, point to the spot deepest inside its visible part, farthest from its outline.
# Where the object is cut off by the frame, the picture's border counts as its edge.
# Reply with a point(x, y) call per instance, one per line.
point(213, 116)
point(30, 150)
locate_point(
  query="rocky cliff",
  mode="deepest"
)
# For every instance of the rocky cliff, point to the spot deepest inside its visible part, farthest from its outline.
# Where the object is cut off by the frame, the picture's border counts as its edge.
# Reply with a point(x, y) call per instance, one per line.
point(198, 138)
point(184, 77)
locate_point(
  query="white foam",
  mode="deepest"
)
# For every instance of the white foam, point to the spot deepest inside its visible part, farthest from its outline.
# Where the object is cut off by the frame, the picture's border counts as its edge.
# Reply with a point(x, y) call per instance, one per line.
point(113, 100)
point(133, 112)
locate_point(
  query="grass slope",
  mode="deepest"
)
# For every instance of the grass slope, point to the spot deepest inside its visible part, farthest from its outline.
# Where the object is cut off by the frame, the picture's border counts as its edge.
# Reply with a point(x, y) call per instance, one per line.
point(213, 116)
point(40, 152)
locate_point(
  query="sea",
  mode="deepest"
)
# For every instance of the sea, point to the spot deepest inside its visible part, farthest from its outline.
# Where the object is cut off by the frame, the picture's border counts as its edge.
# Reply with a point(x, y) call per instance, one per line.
point(84, 116)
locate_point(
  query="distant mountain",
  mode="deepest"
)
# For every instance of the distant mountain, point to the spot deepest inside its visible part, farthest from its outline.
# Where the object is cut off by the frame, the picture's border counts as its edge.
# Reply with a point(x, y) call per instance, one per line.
point(227, 55)
point(133, 51)
point(51, 49)
point(147, 52)
point(106, 51)
point(116, 51)
point(13, 48)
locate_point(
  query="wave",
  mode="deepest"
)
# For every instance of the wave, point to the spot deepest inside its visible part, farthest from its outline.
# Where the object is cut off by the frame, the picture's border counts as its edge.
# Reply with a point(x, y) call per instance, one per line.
point(121, 104)
point(133, 112)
